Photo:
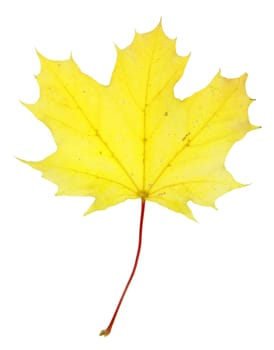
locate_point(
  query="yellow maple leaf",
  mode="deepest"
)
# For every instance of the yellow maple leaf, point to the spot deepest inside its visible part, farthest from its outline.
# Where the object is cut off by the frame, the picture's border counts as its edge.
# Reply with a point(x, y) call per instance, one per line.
point(133, 138)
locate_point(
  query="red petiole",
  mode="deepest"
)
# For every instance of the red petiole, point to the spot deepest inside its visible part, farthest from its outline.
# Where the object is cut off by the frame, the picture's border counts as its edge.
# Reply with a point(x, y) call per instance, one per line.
point(107, 331)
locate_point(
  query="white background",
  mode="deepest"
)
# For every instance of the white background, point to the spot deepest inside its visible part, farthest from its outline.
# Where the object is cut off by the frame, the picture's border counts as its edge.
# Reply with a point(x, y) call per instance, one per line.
point(198, 286)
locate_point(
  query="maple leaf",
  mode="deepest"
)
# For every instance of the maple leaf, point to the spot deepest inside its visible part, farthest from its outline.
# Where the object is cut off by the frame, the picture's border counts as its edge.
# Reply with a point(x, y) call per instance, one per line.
point(133, 138)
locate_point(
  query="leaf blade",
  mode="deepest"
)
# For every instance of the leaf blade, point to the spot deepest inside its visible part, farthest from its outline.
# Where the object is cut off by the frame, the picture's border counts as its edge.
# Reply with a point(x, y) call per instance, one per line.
point(133, 138)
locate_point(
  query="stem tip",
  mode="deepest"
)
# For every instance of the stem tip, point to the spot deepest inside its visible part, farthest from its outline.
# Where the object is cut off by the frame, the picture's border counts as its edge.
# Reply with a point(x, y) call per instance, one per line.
point(105, 332)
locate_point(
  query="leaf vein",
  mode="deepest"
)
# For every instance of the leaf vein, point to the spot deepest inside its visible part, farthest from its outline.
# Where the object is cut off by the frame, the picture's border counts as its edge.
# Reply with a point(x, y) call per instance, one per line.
point(95, 176)
point(189, 140)
point(184, 183)
point(97, 133)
